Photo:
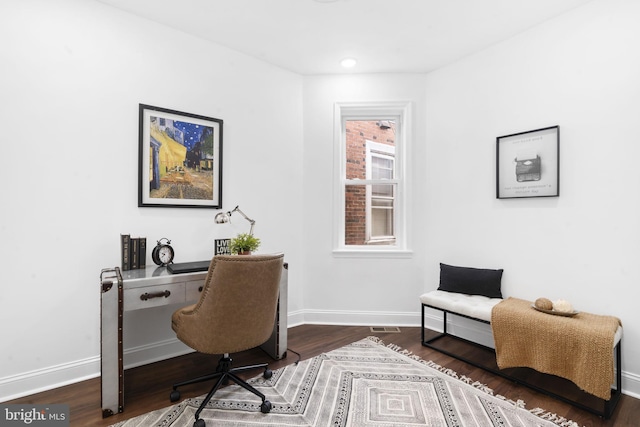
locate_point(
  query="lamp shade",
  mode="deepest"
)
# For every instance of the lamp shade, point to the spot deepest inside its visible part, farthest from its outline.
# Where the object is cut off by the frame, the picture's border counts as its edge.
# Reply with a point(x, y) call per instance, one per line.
point(222, 218)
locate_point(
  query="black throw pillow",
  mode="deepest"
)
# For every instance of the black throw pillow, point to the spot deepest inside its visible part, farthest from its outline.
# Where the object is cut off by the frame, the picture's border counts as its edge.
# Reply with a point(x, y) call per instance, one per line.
point(471, 281)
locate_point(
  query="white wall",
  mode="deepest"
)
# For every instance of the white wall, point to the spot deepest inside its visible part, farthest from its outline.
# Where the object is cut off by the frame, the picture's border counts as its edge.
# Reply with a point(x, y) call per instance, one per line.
point(366, 291)
point(73, 74)
point(579, 71)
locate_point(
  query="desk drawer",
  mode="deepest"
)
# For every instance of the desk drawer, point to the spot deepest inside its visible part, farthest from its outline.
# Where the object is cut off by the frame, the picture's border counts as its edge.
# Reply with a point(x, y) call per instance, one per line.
point(193, 290)
point(153, 296)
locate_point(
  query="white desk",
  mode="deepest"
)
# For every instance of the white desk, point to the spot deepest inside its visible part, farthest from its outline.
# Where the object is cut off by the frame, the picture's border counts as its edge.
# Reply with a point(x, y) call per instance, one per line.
point(152, 287)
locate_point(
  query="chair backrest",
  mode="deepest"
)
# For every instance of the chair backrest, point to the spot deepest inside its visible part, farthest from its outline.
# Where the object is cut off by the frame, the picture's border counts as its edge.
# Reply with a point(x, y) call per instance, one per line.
point(237, 307)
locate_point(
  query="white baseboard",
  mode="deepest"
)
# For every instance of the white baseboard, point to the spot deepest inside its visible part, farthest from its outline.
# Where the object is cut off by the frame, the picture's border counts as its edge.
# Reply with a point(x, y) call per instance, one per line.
point(154, 352)
point(465, 328)
point(631, 384)
point(295, 318)
point(359, 318)
point(16, 386)
point(27, 383)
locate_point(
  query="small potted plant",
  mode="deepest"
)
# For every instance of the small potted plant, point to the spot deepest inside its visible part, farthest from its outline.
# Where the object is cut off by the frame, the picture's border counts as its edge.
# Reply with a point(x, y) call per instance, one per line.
point(244, 244)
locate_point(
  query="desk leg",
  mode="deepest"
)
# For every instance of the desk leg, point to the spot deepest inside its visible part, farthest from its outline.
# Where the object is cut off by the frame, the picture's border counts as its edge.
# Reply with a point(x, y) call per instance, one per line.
point(111, 366)
point(276, 347)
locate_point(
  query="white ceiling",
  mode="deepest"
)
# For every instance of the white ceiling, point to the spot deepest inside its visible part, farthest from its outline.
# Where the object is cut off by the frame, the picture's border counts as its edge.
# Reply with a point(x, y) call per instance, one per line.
point(312, 36)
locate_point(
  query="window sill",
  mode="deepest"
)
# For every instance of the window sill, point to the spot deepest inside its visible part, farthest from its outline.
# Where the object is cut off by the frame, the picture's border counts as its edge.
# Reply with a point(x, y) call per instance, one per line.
point(372, 253)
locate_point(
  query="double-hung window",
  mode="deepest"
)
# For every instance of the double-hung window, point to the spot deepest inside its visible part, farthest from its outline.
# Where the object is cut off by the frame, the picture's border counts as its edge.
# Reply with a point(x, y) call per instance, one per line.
point(371, 184)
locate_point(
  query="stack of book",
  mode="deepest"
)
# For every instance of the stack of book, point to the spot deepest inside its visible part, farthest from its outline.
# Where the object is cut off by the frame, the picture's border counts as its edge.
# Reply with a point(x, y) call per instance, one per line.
point(133, 251)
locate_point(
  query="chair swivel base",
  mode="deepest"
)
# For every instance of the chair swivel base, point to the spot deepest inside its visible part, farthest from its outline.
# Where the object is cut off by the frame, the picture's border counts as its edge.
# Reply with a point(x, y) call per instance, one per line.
point(224, 373)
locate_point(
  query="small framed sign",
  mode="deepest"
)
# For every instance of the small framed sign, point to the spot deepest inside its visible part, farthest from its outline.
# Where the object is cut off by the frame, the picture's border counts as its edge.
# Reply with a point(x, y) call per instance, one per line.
point(222, 247)
point(528, 164)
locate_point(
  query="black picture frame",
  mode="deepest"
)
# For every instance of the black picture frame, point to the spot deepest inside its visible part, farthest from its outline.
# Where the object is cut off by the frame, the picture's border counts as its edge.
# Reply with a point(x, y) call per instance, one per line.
point(180, 159)
point(528, 164)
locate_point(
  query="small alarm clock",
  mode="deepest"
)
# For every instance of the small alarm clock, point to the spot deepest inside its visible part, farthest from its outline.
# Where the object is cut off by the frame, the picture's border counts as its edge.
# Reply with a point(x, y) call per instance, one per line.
point(163, 253)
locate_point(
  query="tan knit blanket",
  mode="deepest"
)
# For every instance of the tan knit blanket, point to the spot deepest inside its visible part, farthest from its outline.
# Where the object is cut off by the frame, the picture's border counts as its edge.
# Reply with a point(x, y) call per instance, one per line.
point(578, 348)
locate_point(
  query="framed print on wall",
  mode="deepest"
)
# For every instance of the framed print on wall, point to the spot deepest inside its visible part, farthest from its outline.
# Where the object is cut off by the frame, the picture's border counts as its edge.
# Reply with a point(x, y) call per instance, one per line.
point(180, 159)
point(528, 164)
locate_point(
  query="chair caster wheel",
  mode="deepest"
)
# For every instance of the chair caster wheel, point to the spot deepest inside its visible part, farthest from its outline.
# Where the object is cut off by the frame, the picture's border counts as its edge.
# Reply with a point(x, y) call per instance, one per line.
point(174, 396)
point(199, 423)
point(265, 408)
point(268, 373)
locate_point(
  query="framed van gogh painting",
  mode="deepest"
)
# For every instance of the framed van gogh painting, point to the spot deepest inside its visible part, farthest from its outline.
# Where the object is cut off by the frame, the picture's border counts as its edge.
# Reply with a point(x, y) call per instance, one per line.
point(180, 159)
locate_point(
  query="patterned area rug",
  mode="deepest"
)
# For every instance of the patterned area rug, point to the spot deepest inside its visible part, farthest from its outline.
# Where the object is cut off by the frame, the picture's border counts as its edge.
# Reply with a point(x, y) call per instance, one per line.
point(362, 384)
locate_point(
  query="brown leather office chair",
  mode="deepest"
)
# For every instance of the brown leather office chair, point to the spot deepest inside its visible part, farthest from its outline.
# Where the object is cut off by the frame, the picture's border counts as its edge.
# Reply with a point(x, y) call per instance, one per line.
point(236, 312)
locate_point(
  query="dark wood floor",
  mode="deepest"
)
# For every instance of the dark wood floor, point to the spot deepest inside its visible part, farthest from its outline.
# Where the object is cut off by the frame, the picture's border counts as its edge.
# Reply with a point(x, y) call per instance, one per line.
point(147, 387)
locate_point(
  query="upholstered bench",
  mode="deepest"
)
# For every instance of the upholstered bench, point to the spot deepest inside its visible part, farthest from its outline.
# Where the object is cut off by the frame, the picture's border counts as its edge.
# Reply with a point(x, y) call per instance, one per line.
point(479, 308)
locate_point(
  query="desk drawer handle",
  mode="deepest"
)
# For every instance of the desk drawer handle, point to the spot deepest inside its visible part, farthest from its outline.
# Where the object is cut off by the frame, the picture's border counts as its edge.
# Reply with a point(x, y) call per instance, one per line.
point(147, 296)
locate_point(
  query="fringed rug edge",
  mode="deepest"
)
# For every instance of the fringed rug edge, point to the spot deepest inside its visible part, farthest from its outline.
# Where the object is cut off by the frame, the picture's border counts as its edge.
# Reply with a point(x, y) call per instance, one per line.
point(539, 412)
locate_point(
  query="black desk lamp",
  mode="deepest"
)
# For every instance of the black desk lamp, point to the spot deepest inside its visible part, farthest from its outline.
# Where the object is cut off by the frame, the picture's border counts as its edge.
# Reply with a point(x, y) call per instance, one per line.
point(225, 217)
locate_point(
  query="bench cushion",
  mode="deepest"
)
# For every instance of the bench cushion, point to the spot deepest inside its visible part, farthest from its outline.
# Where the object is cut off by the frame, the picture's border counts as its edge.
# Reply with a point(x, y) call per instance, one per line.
point(476, 306)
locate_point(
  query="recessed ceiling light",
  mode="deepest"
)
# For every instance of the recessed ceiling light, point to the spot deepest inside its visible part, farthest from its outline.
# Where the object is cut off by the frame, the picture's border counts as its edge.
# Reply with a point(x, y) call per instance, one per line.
point(348, 62)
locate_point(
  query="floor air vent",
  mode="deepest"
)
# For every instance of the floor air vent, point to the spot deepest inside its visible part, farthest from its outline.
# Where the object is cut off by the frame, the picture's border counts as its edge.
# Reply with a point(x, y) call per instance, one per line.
point(387, 329)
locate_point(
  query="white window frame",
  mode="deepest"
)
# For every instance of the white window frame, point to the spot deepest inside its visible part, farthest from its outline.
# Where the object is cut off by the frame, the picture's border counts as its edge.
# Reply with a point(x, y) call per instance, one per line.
point(400, 112)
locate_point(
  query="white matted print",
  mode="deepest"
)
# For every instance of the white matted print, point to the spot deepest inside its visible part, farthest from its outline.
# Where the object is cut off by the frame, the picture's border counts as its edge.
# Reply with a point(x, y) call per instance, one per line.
point(528, 164)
